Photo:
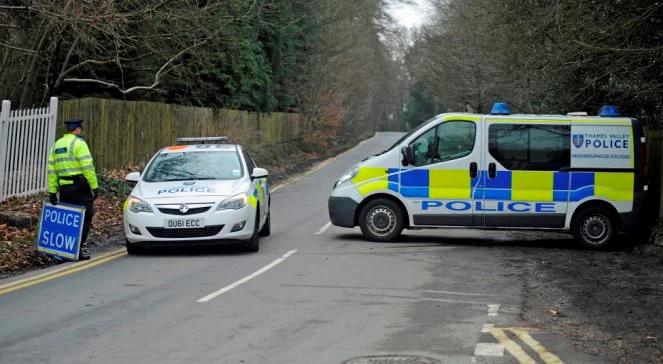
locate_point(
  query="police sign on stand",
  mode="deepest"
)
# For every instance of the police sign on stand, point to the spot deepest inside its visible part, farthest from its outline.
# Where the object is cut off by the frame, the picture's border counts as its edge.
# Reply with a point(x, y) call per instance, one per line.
point(60, 230)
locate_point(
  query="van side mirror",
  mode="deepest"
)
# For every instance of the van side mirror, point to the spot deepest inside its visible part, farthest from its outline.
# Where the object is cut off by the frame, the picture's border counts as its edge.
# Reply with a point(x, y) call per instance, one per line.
point(408, 156)
point(259, 173)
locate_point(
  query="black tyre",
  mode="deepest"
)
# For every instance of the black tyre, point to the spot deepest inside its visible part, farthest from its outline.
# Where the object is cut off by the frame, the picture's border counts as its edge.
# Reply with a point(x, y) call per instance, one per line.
point(253, 244)
point(266, 229)
point(134, 249)
point(594, 227)
point(381, 220)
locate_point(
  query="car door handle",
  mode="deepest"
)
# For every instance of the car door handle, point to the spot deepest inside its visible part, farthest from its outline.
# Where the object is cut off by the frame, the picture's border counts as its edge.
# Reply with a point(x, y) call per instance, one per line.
point(492, 170)
point(473, 170)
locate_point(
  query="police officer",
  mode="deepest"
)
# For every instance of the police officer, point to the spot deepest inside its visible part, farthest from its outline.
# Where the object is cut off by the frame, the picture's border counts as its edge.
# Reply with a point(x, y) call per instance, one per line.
point(71, 173)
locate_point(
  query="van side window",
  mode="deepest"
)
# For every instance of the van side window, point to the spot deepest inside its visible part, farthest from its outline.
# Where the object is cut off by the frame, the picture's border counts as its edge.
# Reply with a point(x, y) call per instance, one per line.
point(448, 141)
point(424, 148)
point(456, 140)
point(530, 147)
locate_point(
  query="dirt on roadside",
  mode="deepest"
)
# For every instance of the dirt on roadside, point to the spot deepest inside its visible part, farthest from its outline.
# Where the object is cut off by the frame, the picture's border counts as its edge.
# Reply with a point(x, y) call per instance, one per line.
point(606, 302)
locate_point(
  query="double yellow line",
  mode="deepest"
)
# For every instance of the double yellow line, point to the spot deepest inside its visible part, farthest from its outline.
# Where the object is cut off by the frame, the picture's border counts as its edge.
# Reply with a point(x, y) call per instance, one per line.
point(60, 272)
point(517, 351)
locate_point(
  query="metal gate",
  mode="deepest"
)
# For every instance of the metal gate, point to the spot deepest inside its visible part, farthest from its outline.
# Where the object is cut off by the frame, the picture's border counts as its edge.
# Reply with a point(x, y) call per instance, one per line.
point(26, 136)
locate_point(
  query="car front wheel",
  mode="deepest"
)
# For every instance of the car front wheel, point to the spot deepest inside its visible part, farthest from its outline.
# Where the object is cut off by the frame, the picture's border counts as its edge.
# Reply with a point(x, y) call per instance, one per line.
point(381, 220)
point(253, 244)
point(266, 229)
point(595, 228)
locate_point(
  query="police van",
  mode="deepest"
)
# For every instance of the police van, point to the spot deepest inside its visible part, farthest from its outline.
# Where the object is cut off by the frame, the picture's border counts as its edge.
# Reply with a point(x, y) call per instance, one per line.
point(574, 173)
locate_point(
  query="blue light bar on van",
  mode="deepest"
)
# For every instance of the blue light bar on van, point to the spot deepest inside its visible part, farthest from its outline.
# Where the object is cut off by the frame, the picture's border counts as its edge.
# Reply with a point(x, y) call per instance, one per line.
point(501, 108)
point(609, 111)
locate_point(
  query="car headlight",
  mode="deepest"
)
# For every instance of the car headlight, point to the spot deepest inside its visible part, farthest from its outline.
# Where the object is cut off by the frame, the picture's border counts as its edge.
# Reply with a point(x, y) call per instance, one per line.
point(350, 174)
point(138, 205)
point(234, 203)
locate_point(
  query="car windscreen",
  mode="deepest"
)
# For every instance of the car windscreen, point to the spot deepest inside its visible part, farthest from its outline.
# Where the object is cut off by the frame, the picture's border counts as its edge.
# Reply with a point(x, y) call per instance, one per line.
point(185, 166)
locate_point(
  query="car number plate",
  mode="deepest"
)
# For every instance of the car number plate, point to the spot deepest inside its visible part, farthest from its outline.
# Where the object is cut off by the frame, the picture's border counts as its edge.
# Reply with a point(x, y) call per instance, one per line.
point(184, 223)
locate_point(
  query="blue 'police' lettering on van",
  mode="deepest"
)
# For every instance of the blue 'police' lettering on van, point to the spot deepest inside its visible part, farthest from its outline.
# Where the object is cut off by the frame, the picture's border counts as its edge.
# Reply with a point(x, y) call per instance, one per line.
point(501, 206)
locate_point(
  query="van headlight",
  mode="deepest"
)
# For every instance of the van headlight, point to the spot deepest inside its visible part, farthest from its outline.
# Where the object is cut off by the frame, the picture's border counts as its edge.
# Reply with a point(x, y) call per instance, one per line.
point(138, 205)
point(350, 174)
point(234, 203)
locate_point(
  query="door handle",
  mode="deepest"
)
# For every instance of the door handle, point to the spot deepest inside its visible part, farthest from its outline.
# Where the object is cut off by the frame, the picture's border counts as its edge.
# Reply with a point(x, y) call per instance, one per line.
point(473, 170)
point(492, 170)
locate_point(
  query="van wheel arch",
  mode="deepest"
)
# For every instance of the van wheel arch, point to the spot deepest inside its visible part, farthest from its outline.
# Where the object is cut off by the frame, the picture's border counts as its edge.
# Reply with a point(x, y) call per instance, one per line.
point(382, 196)
point(596, 208)
point(614, 215)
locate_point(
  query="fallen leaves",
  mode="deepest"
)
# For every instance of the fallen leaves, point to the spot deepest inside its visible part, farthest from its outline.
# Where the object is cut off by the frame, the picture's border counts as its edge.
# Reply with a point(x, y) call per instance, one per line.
point(18, 248)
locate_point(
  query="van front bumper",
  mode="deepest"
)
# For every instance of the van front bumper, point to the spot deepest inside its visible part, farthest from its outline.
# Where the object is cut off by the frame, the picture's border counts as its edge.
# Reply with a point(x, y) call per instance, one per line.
point(342, 211)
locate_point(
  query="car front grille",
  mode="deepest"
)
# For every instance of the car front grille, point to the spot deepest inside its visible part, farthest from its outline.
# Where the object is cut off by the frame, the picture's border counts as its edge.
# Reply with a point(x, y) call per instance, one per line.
point(207, 231)
point(191, 211)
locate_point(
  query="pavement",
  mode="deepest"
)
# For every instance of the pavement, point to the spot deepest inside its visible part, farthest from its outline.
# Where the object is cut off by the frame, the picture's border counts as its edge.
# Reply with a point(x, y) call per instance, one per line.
point(314, 293)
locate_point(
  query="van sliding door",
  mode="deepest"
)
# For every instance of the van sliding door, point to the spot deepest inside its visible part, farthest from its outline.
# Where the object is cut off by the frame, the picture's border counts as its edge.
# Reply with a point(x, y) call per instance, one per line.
point(527, 178)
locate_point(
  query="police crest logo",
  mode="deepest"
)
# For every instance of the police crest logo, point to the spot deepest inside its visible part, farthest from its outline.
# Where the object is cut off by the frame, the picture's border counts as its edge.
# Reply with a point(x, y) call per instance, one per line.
point(577, 140)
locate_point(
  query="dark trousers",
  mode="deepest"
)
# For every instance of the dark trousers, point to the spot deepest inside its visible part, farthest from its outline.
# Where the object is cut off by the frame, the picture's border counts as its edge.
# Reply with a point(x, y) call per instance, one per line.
point(89, 213)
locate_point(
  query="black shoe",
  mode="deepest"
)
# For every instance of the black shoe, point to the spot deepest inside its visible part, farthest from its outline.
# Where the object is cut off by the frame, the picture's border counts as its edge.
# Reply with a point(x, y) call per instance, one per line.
point(83, 256)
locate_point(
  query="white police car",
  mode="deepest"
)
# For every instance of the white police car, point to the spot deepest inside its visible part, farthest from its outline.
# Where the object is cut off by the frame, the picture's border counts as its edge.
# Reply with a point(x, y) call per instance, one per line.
point(200, 191)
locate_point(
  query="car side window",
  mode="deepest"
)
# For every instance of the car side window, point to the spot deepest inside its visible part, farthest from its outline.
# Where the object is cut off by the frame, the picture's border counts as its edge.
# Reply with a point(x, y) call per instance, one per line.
point(530, 147)
point(250, 164)
point(424, 148)
point(455, 140)
point(447, 141)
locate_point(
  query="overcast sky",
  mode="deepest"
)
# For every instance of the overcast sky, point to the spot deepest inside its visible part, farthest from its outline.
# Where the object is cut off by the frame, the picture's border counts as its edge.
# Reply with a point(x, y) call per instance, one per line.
point(410, 15)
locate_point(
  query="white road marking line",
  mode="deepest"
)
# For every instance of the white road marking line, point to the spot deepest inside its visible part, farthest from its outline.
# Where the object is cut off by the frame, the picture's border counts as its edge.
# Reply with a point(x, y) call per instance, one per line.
point(489, 349)
point(260, 271)
point(487, 327)
point(323, 228)
point(492, 310)
point(457, 293)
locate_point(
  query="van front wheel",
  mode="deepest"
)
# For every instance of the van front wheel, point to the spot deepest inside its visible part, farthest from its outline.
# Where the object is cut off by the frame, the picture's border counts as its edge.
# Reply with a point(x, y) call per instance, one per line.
point(594, 228)
point(381, 220)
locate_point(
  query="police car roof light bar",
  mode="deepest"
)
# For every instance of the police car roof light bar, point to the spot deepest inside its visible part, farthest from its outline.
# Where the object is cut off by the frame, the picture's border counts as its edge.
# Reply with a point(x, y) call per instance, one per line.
point(500, 108)
point(609, 111)
point(203, 140)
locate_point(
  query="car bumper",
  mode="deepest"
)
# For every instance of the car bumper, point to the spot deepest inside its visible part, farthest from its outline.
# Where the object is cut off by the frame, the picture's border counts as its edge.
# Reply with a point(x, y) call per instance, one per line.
point(342, 211)
point(149, 228)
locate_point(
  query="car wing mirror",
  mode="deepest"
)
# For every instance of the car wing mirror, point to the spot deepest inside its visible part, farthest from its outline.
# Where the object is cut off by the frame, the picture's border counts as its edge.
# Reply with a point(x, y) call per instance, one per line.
point(132, 179)
point(408, 156)
point(259, 173)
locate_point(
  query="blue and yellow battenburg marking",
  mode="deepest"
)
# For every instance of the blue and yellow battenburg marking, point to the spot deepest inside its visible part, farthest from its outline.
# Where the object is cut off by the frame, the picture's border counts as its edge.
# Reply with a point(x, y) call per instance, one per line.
point(545, 186)
point(253, 198)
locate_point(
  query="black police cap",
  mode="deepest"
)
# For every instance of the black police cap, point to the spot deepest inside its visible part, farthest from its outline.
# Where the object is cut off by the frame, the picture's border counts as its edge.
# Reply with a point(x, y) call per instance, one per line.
point(73, 124)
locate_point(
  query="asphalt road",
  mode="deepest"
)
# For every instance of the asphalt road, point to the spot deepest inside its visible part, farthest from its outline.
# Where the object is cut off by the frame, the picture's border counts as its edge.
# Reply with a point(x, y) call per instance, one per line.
point(313, 294)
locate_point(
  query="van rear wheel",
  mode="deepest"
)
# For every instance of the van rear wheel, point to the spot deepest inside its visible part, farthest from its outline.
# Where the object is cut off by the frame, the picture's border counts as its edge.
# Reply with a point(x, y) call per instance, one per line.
point(595, 228)
point(381, 220)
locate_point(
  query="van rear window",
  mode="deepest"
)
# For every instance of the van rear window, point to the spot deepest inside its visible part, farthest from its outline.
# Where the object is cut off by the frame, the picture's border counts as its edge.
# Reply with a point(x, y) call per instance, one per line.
point(530, 146)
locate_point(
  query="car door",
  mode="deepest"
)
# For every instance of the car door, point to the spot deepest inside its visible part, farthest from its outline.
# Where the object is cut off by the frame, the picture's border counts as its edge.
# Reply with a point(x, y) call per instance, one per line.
point(527, 179)
point(259, 185)
point(439, 186)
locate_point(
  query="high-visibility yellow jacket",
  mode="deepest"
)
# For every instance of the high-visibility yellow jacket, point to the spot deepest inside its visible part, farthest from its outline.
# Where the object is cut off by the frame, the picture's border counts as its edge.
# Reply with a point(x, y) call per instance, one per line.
point(70, 156)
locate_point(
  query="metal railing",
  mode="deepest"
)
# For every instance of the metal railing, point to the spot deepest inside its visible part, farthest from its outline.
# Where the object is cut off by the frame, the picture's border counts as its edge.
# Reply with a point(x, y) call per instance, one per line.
point(26, 136)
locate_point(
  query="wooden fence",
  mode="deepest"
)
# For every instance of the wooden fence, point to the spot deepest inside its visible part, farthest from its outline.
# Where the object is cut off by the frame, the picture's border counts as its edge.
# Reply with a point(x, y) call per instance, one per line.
point(123, 133)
